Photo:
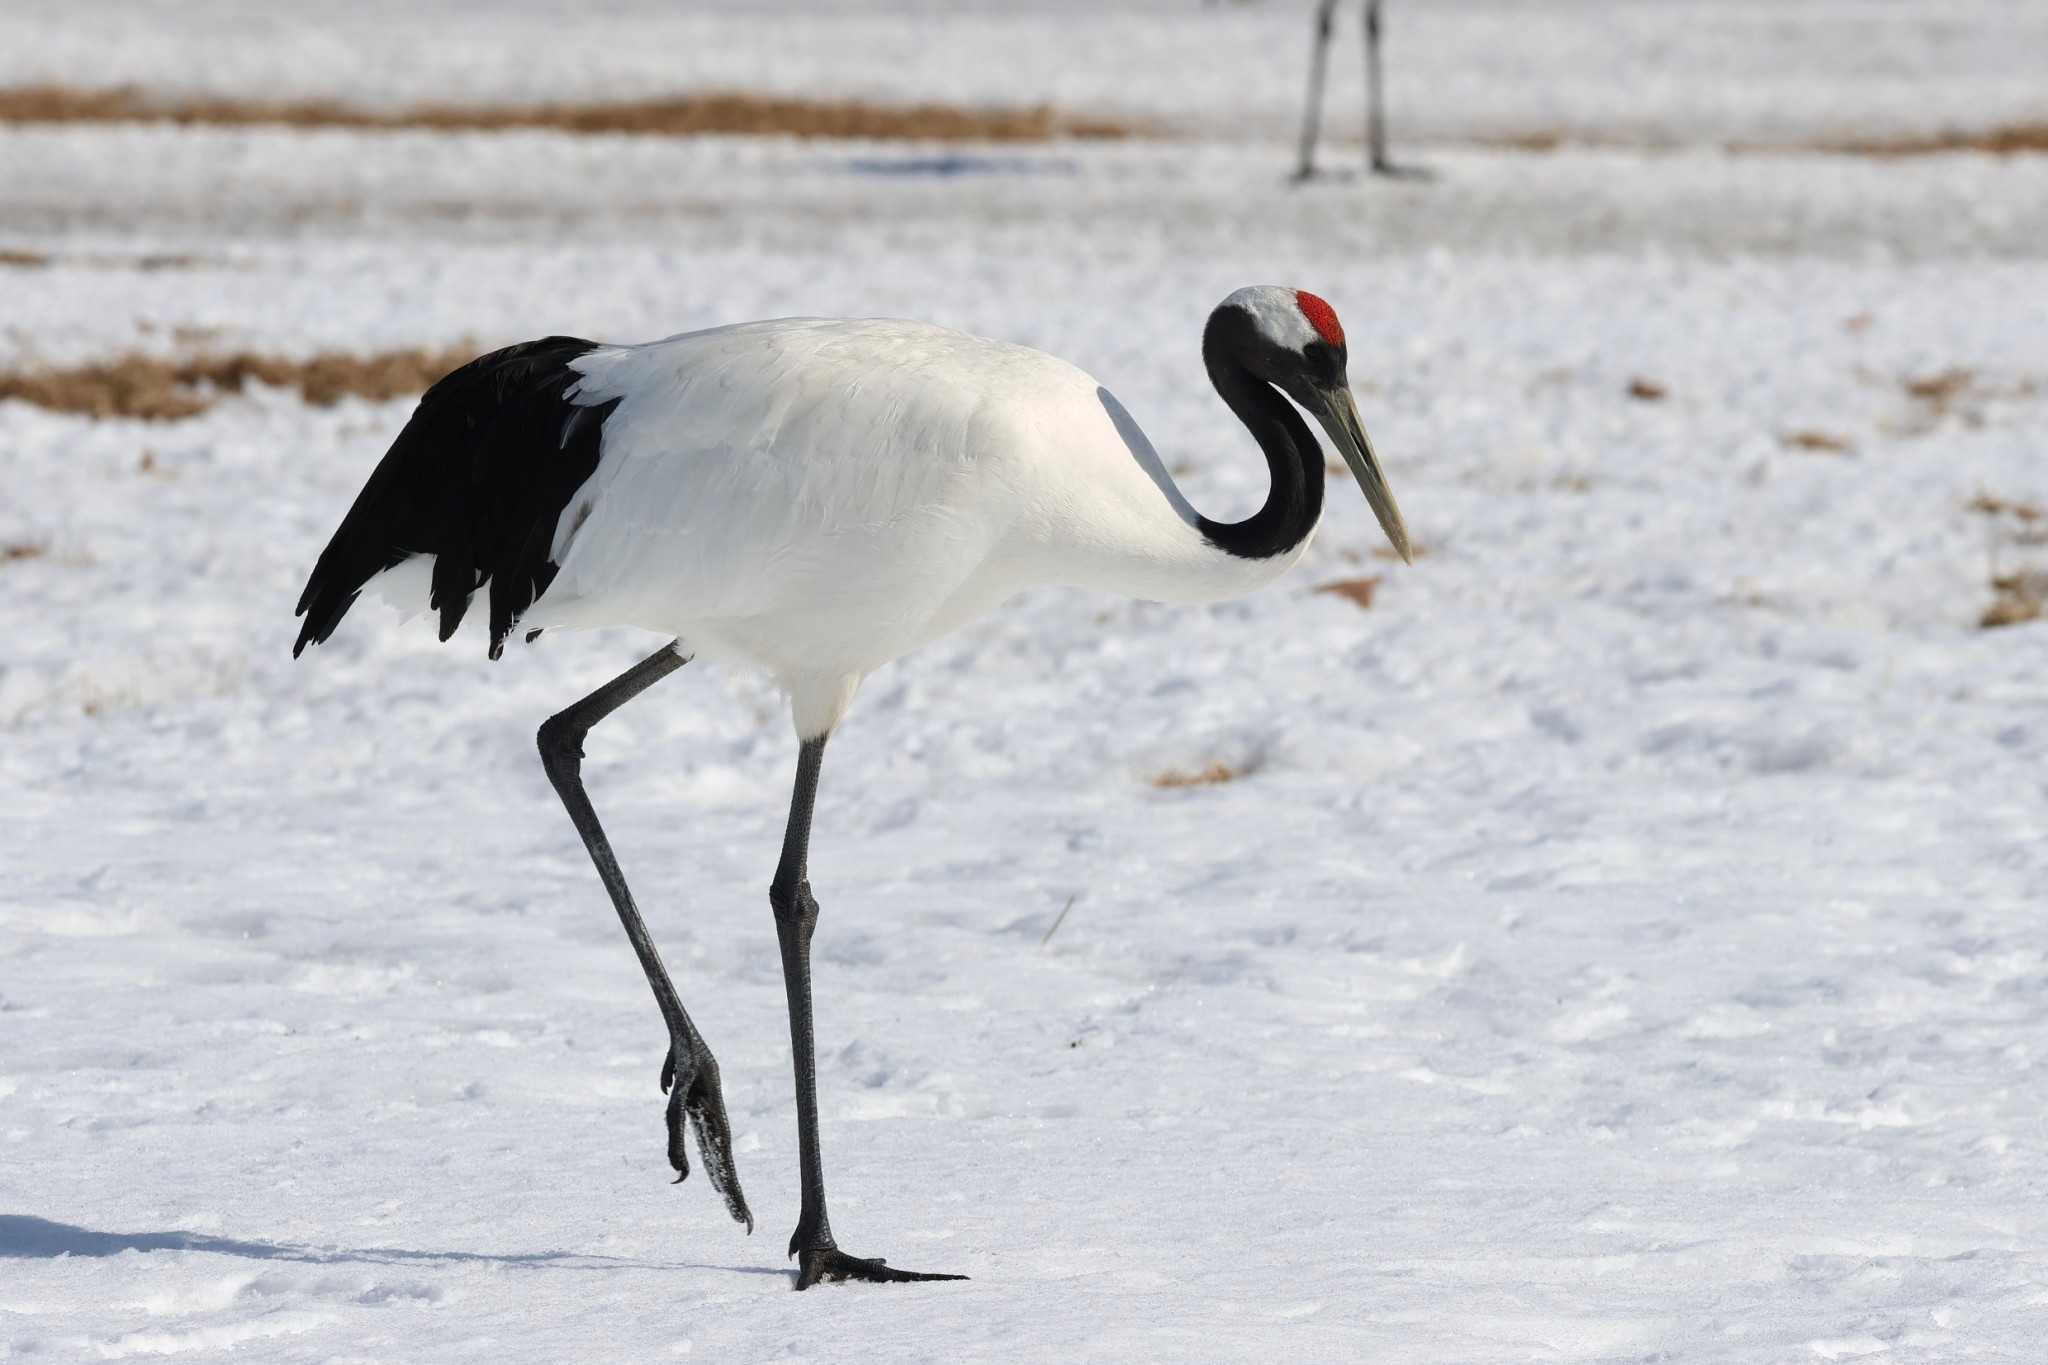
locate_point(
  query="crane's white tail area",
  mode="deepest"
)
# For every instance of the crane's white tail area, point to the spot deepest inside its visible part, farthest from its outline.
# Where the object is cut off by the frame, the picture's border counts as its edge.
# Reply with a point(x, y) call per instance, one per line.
point(477, 480)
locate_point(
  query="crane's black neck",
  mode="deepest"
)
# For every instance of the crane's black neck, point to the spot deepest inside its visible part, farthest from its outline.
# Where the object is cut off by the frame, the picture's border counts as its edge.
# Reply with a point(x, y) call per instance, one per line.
point(1295, 502)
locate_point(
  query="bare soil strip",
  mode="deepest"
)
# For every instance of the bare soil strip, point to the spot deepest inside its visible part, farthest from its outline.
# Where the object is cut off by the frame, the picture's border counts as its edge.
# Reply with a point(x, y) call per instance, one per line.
point(680, 115)
point(157, 388)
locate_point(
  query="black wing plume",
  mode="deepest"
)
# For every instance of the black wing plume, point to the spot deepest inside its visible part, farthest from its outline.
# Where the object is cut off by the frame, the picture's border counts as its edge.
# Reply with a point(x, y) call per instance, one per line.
point(478, 479)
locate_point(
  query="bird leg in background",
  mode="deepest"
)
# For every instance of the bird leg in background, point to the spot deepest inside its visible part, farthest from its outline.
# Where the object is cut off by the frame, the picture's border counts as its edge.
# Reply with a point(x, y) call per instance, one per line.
point(796, 916)
point(1375, 103)
point(1319, 61)
point(1377, 160)
point(690, 1075)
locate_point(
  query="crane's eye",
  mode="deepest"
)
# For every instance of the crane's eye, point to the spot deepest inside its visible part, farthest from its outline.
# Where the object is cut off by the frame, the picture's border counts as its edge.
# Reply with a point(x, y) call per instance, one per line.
point(1324, 362)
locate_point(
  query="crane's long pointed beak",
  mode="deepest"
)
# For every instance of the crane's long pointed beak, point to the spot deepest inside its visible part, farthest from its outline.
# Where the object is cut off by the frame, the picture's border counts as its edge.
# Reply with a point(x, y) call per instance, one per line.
point(1338, 413)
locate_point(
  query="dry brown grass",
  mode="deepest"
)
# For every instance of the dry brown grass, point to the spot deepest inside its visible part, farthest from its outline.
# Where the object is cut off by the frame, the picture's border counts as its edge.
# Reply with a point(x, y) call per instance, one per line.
point(1991, 505)
point(2015, 597)
point(1940, 391)
point(672, 117)
point(152, 387)
point(1956, 393)
point(2006, 139)
point(13, 550)
point(39, 260)
point(1213, 775)
point(1542, 140)
point(2009, 139)
point(735, 112)
point(1359, 591)
point(1819, 442)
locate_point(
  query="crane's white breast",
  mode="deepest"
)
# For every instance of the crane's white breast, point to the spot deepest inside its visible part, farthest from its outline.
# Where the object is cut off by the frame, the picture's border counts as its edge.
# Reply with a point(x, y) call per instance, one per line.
point(810, 496)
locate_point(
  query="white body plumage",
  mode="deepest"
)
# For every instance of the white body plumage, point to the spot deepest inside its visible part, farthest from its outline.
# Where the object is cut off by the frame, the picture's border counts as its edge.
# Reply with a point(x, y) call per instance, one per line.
point(818, 497)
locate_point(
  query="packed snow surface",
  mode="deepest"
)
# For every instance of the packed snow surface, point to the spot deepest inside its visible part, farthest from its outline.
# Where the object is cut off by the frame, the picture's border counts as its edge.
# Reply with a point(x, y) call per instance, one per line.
point(1621, 941)
point(1666, 70)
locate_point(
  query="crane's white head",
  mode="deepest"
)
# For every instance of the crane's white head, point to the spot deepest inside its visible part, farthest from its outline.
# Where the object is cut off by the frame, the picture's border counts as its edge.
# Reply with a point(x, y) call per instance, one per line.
point(1292, 340)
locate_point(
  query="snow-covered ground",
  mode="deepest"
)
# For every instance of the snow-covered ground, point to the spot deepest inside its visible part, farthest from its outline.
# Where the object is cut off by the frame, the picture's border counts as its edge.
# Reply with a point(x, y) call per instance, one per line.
point(1623, 941)
point(1665, 70)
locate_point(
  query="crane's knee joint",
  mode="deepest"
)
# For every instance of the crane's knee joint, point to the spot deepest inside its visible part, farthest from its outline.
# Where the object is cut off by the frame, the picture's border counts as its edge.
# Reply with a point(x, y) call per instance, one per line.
point(794, 904)
point(561, 741)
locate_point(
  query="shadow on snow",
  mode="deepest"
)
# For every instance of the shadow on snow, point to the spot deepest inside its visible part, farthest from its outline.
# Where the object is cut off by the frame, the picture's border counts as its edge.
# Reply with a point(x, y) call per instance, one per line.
point(25, 1236)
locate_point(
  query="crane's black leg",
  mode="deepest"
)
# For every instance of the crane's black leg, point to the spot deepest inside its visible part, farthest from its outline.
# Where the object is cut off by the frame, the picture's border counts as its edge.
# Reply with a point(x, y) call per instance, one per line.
point(1377, 159)
point(690, 1075)
point(1319, 60)
point(1375, 102)
point(796, 915)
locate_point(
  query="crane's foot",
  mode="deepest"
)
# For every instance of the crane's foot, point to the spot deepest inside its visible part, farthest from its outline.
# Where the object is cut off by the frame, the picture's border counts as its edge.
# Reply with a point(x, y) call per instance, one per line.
point(693, 1092)
point(822, 1264)
point(1393, 170)
point(1324, 175)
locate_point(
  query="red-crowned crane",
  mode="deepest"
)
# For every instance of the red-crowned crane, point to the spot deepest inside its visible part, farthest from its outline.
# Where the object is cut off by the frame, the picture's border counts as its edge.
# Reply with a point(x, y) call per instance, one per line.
point(813, 498)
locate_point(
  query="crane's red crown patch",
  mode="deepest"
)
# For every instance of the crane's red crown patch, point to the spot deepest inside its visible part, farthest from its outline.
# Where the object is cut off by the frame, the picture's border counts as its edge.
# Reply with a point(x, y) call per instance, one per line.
point(1321, 316)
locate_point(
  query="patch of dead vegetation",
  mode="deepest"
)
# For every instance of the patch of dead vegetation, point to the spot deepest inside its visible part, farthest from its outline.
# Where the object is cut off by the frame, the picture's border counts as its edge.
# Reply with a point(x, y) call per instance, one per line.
point(2003, 139)
point(1991, 505)
point(1957, 392)
point(1818, 442)
point(1215, 774)
point(2016, 595)
point(14, 550)
point(162, 389)
point(1358, 591)
point(1647, 390)
point(42, 260)
point(676, 116)
point(2015, 598)
point(1539, 141)
point(2006, 139)
point(1941, 390)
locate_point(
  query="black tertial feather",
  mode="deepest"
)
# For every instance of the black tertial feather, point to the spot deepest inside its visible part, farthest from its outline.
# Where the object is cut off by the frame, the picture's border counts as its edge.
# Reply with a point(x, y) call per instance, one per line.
point(478, 478)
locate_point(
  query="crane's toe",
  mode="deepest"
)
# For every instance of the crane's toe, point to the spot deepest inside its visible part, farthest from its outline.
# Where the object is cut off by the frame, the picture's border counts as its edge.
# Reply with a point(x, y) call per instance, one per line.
point(694, 1093)
point(830, 1264)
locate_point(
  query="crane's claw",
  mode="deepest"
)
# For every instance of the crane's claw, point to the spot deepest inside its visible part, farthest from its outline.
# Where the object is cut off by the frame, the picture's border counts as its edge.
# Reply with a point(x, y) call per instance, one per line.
point(830, 1264)
point(695, 1094)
